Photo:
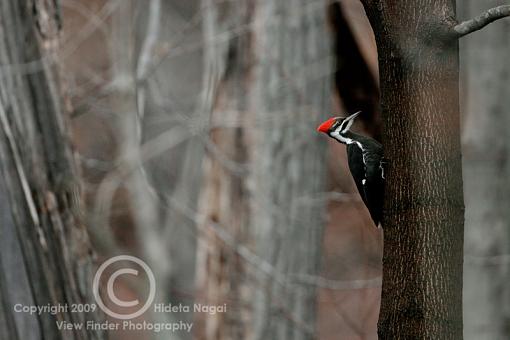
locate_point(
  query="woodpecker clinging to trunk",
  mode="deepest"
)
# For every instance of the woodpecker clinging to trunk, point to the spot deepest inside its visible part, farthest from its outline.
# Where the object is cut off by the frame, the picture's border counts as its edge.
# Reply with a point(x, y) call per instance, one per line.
point(365, 157)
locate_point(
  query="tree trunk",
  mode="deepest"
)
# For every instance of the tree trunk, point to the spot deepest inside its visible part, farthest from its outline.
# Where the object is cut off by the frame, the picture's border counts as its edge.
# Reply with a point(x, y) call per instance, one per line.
point(289, 167)
point(266, 167)
point(45, 254)
point(486, 151)
point(423, 223)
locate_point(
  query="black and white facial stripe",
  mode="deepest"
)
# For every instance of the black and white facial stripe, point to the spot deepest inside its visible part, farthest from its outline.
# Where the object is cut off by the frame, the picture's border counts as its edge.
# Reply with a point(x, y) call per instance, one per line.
point(340, 130)
point(341, 127)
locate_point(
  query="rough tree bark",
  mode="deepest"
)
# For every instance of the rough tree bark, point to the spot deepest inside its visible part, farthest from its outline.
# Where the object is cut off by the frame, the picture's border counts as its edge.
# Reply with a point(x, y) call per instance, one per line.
point(45, 253)
point(486, 166)
point(423, 241)
point(423, 223)
point(263, 223)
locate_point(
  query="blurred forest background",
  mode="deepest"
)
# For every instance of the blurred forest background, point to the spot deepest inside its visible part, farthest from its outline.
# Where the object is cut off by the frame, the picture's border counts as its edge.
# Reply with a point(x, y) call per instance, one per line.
point(193, 127)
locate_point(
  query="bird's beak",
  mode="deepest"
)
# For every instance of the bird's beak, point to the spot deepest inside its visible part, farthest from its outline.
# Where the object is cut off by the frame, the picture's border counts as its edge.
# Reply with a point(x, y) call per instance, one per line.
point(326, 126)
point(353, 116)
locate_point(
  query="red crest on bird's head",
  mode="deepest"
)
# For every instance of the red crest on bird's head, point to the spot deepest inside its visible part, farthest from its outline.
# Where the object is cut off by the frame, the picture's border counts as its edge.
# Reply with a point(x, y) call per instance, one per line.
point(326, 126)
point(338, 122)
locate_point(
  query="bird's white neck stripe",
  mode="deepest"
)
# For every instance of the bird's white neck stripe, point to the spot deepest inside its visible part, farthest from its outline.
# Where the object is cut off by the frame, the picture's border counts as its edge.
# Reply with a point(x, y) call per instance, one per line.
point(338, 136)
point(346, 140)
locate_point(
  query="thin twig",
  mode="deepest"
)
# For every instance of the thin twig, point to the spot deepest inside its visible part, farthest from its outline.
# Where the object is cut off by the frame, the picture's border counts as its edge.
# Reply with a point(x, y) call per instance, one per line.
point(18, 164)
point(145, 59)
point(479, 22)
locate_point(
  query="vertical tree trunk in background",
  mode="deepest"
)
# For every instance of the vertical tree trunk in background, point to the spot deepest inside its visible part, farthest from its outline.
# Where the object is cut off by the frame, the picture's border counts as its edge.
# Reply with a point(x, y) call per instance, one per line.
point(423, 224)
point(265, 168)
point(486, 164)
point(45, 256)
point(291, 93)
point(130, 113)
point(223, 199)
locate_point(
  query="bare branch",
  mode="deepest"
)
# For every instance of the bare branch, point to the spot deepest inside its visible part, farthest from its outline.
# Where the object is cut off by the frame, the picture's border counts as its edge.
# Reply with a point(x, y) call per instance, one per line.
point(19, 167)
point(145, 60)
point(479, 22)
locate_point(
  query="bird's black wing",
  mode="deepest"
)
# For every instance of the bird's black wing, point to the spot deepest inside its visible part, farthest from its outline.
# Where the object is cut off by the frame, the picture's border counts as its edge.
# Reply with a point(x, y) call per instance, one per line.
point(369, 179)
point(374, 184)
point(357, 168)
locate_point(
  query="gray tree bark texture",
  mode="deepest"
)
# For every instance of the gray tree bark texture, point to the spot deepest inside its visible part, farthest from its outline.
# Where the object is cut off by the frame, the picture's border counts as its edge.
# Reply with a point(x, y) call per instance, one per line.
point(263, 223)
point(45, 256)
point(486, 150)
point(424, 210)
point(289, 167)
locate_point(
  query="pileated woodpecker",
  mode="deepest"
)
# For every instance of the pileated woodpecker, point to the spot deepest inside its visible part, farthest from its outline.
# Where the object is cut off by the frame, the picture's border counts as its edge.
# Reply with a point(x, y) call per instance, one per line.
point(365, 157)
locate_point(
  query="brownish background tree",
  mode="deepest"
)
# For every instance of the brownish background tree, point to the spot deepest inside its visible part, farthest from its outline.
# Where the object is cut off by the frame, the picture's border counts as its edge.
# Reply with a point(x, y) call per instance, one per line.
point(259, 188)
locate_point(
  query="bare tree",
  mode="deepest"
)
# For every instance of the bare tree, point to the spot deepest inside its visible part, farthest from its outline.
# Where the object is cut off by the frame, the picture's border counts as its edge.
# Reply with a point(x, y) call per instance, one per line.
point(486, 150)
point(424, 209)
point(46, 258)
